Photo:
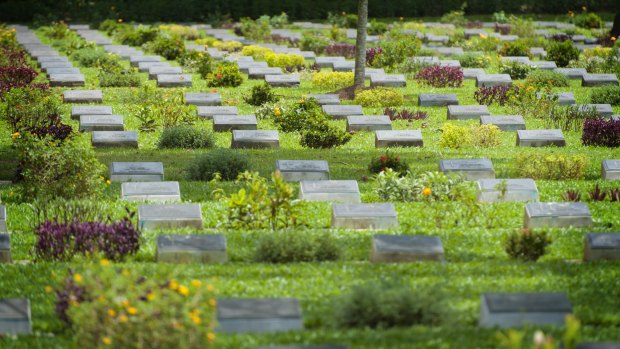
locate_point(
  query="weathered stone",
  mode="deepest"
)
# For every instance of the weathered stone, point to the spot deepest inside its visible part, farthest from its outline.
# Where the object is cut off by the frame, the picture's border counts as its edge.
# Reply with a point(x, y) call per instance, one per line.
point(71, 80)
point(259, 73)
point(208, 112)
point(137, 172)
point(540, 138)
point(473, 169)
point(503, 190)
point(114, 139)
point(47, 65)
point(611, 170)
point(151, 191)
point(195, 248)
point(79, 110)
point(472, 73)
point(291, 80)
point(388, 80)
point(144, 67)
point(62, 71)
point(467, 112)
point(255, 139)
point(330, 190)
point(589, 80)
point(368, 123)
point(303, 170)
point(328, 62)
point(563, 98)
point(437, 100)
point(398, 138)
point(161, 216)
point(89, 123)
point(174, 80)
point(557, 215)
point(339, 111)
point(603, 110)
point(517, 59)
point(449, 51)
point(507, 310)
point(344, 66)
point(83, 96)
point(324, 99)
point(15, 316)
point(364, 216)
point(203, 98)
point(222, 123)
point(504, 122)
point(244, 67)
point(544, 65)
point(258, 315)
point(450, 63)
point(602, 246)
point(154, 71)
point(406, 248)
point(135, 60)
point(491, 80)
point(572, 73)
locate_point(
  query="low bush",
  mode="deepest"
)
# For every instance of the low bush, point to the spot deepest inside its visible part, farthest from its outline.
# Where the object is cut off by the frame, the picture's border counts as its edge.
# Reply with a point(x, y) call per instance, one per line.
point(169, 47)
point(379, 97)
point(602, 133)
point(395, 52)
point(606, 95)
point(344, 50)
point(474, 60)
point(483, 43)
point(404, 114)
point(492, 95)
point(438, 76)
point(546, 78)
point(332, 80)
point(527, 245)
point(128, 35)
point(515, 49)
point(531, 101)
point(388, 160)
point(257, 30)
point(182, 31)
point(455, 137)
point(33, 109)
point(260, 94)
point(570, 118)
point(297, 246)
point(94, 57)
point(110, 26)
point(228, 46)
point(199, 62)
point(313, 42)
point(186, 137)
point(429, 186)
point(226, 74)
point(376, 28)
point(550, 166)
point(284, 60)
point(162, 109)
point(119, 78)
point(562, 53)
point(225, 162)
point(371, 54)
point(322, 135)
point(15, 77)
point(257, 52)
point(588, 20)
point(515, 69)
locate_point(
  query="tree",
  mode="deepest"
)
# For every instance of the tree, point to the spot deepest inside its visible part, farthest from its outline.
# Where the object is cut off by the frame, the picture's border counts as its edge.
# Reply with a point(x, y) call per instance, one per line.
point(360, 43)
point(615, 30)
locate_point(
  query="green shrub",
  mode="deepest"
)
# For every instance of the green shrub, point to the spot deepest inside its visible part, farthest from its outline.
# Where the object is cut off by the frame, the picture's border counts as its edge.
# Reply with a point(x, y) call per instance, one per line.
point(522, 27)
point(455, 137)
point(551, 166)
point(570, 118)
point(546, 78)
point(226, 74)
point(588, 20)
point(388, 160)
point(26, 108)
point(110, 26)
point(456, 17)
point(228, 163)
point(474, 60)
point(284, 60)
point(182, 31)
point(323, 135)
point(198, 62)
point(128, 35)
point(376, 28)
point(257, 52)
point(394, 52)
point(313, 42)
point(379, 97)
point(186, 137)
point(516, 70)
point(606, 95)
point(297, 246)
point(527, 245)
point(279, 21)
point(332, 80)
point(562, 53)
point(430, 186)
point(159, 108)
point(483, 43)
point(515, 48)
point(57, 30)
point(169, 47)
point(121, 78)
point(258, 30)
point(260, 94)
point(94, 57)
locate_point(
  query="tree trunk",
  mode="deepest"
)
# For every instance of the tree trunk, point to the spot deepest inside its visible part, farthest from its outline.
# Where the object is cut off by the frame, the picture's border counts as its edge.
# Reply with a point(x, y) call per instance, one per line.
point(615, 30)
point(360, 43)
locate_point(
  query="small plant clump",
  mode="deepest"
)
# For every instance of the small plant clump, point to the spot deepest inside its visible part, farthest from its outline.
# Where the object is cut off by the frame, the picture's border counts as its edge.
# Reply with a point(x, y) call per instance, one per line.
point(185, 137)
point(527, 245)
point(438, 76)
point(261, 94)
point(388, 160)
point(219, 163)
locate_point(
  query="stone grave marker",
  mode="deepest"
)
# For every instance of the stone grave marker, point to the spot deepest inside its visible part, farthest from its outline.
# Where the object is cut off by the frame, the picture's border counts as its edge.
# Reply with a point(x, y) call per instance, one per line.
point(47, 65)
point(203, 99)
point(5, 248)
point(557, 215)
point(368, 72)
point(589, 80)
point(473, 169)
point(504, 122)
point(83, 96)
point(3, 225)
point(244, 67)
point(602, 345)
point(303, 170)
point(161, 216)
point(259, 73)
point(70, 80)
point(437, 100)
point(540, 138)
point(388, 80)
point(503, 190)
point(611, 170)
point(328, 62)
point(491, 80)
point(151, 191)
point(544, 65)
point(518, 59)
point(344, 66)
point(208, 112)
point(450, 63)
point(77, 111)
point(135, 60)
point(62, 71)
point(174, 80)
point(15, 316)
point(255, 139)
point(144, 67)
point(194, 248)
point(603, 110)
point(572, 73)
point(50, 59)
point(137, 172)
point(345, 191)
point(324, 99)
point(364, 216)
point(564, 98)
point(398, 138)
point(406, 248)
point(507, 310)
point(114, 139)
point(467, 112)
point(368, 123)
point(89, 123)
point(244, 315)
point(449, 51)
point(472, 73)
point(538, 52)
point(602, 246)
point(289, 80)
point(154, 71)
point(615, 117)
point(339, 111)
point(222, 123)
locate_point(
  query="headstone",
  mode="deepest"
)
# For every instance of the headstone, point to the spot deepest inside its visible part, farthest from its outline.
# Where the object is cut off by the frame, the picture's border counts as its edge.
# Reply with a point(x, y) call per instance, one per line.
point(557, 215)
point(611, 170)
point(589, 80)
point(174, 80)
point(259, 73)
point(450, 63)
point(144, 67)
point(203, 98)
point(137, 172)
point(83, 96)
point(255, 139)
point(339, 112)
point(491, 80)
point(49, 59)
point(48, 65)
point(572, 73)
point(5, 248)
point(323, 99)
point(89, 123)
point(602, 345)
point(330, 190)
point(66, 80)
point(3, 225)
point(222, 123)
point(504, 190)
point(449, 51)
point(154, 71)
point(437, 100)
point(258, 315)
point(160, 216)
point(538, 52)
point(564, 98)
point(244, 67)
point(208, 112)
point(15, 316)
point(507, 310)
point(544, 65)
point(472, 73)
point(540, 138)
point(504, 122)
point(602, 246)
point(151, 191)
point(406, 248)
point(135, 60)
point(603, 110)
point(368, 72)
point(303, 170)
point(328, 62)
point(115, 139)
point(398, 138)
point(368, 123)
point(472, 169)
point(467, 112)
point(364, 216)
point(517, 59)
point(194, 248)
point(388, 80)
point(289, 80)
point(62, 71)
point(77, 111)
point(344, 66)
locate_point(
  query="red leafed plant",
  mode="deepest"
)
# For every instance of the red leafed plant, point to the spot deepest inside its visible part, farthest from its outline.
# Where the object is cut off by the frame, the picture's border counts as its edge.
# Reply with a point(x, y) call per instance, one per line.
point(13, 77)
point(438, 76)
point(600, 132)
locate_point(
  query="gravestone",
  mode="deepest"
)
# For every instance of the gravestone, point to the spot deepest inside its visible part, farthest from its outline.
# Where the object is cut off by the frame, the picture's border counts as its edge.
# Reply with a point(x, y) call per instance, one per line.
point(154, 71)
point(611, 170)
point(324, 99)
point(49, 59)
point(437, 100)
point(259, 73)
point(15, 316)
point(540, 138)
point(290, 80)
point(222, 123)
point(368, 123)
point(450, 63)
point(538, 52)
point(368, 72)
point(602, 246)
point(398, 138)
point(344, 66)
point(472, 73)
point(63, 71)
point(69, 80)
point(203, 98)
point(5, 248)
point(174, 80)
point(603, 110)
point(194, 248)
point(406, 248)
point(77, 111)
point(89, 123)
point(208, 112)
point(564, 98)
point(135, 60)
point(258, 315)
point(144, 67)
point(83, 96)
point(346, 191)
point(507, 310)
point(303, 170)
point(151, 191)
point(161, 216)
point(557, 215)
point(364, 216)
point(3, 225)
point(544, 65)
point(602, 345)
point(244, 67)
point(388, 80)
point(137, 172)
point(47, 65)
point(114, 139)
point(449, 51)
point(255, 139)
point(467, 112)
point(491, 80)
point(589, 80)
point(504, 122)
point(615, 117)
point(338, 112)
point(328, 62)
point(472, 169)
point(572, 73)
point(505, 190)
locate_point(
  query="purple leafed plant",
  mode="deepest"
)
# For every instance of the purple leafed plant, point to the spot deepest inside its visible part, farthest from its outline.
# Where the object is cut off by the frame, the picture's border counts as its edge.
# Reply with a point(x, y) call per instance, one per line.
point(405, 114)
point(600, 132)
point(490, 95)
point(14, 77)
point(345, 50)
point(438, 76)
point(371, 53)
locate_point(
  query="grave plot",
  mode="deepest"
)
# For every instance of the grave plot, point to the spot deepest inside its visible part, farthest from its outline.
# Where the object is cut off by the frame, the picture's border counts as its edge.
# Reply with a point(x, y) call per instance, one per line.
point(472, 169)
point(506, 310)
point(557, 215)
point(83, 96)
point(166, 216)
point(540, 138)
point(329, 190)
point(259, 315)
point(303, 170)
point(204, 248)
point(406, 248)
point(364, 216)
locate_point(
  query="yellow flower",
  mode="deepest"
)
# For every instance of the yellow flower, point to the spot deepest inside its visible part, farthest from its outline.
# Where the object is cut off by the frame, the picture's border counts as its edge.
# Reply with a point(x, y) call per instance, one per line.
point(401, 18)
point(196, 320)
point(210, 337)
point(111, 312)
point(107, 182)
point(107, 340)
point(212, 302)
point(427, 191)
point(125, 303)
point(123, 318)
point(102, 178)
point(48, 289)
point(183, 290)
point(132, 311)
point(613, 38)
point(173, 285)
point(15, 135)
point(277, 111)
point(150, 296)
point(77, 278)
point(482, 36)
point(104, 262)
point(210, 288)
point(196, 283)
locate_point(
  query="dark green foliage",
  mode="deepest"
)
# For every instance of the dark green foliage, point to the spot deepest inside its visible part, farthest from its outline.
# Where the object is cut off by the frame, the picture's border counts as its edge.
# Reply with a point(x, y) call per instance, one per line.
point(562, 53)
point(376, 28)
point(324, 135)
point(606, 95)
point(119, 78)
point(527, 245)
point(128, 35)
point(546, 78)
point(260, 94)
point(297, 246)
point(169, 47)
point(516, 48)
point(94, 57)
point(388, 160)
point(226, 74)
point(186, 137)
point(228, 163)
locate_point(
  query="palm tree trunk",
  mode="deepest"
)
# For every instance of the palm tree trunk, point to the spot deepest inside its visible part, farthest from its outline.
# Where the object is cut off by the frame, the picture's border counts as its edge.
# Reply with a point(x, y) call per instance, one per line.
point(360, 43)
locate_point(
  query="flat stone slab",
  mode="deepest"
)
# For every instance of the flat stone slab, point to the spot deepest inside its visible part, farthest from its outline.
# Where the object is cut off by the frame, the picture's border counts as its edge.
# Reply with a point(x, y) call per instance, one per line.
point(66, 80)
point(15, 317)
point(114, 139)
point(208, 112)
point(564, 98)
point(368, 72)
point(154, 71)
point(398, 138)
point(450, 63)
point(83, 96)
point(342, 111)
point(151, 191)
point(144, 67)
point(49, 59)
point(328, 62)
point(472, 169)
point(572, 73)
point(437, 100)
point(5, 248)
point(589, 80)
point(3, 226)
point(303, 170)
point(506, 123)
point(135, 60)
point(388, 80)
point(77, 111)
point(160, 216)
point(603, 110)
point(504, 190)
point(472, 73)
point(89, 123)
point(47, 65)
point(506, 310)
point(467, 112)
point(602, 246)
point(557, 215)
point(244, 67)
point(406, 248)
point(203, 98)
point(255, 139)
point(137, 172)
point(289, 80)
point(62, 71)
point(610, 170)
point(345, 66)
point(222, 123)
point(491, 80)
point(195, 248)
point(346, 191)
point(540, 138)
point(174, 80)
point(364, 216)
point(368, 123)
point(544, 65)
point(324, 99)
point(259, 73)
point(258, 315)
